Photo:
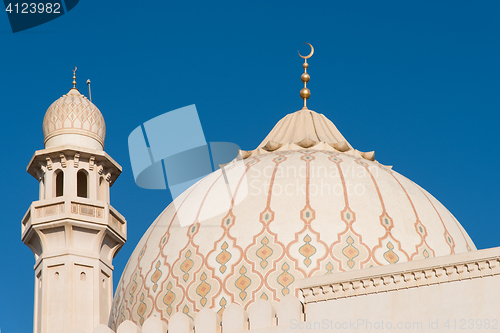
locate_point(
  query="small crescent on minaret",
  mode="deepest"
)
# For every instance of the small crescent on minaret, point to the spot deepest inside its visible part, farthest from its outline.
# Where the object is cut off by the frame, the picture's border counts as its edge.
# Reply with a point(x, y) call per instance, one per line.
point(310, 54)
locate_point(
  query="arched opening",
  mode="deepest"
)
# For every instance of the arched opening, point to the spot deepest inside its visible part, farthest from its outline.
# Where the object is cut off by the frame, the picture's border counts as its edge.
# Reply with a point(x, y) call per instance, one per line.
point(81, 184)
point(59, 183)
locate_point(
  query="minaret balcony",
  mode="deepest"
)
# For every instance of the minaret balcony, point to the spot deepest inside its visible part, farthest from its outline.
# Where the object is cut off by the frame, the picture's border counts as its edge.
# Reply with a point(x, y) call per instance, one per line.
point(48, 213)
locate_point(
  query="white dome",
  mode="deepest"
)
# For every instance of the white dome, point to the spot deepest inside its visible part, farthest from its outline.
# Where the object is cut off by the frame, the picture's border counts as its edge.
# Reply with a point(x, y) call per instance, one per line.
point(74, 120)
point(307, 212)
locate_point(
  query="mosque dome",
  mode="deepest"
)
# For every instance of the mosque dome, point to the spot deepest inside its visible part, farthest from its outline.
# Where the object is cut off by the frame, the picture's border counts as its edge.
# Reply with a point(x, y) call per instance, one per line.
point(308, 204)
point(74, 120)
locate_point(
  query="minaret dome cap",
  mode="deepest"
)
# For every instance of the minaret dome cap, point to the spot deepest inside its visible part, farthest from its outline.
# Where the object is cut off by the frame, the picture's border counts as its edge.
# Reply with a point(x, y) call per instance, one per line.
point(74, 120)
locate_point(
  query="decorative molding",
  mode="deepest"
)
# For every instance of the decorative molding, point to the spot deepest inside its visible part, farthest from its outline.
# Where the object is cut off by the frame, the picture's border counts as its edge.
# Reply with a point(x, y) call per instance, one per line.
point(394, 279)
point(91, 163)
point(63, 160)
point(100, 168)
point(107, 174)
point(49, 162)
point(87, 210)
point(76, 160)
point(49, 210)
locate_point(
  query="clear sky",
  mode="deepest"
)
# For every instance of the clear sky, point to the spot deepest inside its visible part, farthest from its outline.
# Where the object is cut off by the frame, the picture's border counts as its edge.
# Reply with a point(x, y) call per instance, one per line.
point(416, 81)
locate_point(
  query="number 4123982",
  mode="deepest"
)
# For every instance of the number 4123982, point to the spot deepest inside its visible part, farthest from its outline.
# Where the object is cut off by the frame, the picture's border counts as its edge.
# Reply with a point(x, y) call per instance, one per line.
point(32, 8)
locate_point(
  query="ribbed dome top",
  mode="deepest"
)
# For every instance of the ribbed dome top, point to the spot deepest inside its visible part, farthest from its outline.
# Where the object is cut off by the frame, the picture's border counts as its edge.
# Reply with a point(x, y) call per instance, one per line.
point(73, 119)
point(306, 129)
point(302, 125)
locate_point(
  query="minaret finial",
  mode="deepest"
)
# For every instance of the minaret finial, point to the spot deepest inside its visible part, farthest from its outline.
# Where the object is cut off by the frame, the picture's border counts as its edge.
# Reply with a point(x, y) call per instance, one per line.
point(74, 77)
point(305, 93)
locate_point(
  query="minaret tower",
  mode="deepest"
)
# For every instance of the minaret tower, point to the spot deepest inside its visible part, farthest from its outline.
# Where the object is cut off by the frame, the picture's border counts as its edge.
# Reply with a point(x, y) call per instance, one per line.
point(72, 229)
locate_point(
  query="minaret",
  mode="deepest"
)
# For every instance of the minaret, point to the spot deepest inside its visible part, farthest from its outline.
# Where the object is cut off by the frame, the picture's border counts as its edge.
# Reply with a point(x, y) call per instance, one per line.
point(72, 229)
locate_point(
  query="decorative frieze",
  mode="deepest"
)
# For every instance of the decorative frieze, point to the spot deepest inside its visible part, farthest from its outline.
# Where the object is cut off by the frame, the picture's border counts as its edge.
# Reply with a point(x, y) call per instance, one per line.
point(394, 280)
point(87, 210)
point(49, 210)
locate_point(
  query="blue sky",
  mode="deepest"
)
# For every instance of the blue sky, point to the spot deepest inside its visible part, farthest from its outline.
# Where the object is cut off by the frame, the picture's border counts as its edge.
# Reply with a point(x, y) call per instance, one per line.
point(416, 81)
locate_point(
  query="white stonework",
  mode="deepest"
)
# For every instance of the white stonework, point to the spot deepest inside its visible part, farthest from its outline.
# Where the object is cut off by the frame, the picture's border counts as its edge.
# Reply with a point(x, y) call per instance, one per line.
point(72, 229)
point(321, 257)
point(306, 211)
point(456, 293)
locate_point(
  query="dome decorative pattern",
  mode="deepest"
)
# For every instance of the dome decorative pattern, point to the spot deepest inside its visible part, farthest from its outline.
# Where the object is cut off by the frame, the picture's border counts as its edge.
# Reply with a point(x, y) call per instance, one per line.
point(74, 113)
point(307, 212)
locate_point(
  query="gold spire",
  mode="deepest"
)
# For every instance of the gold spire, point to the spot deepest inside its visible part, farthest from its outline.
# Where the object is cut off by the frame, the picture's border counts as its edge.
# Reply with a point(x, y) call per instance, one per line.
point(74, 78)
point(305, 93)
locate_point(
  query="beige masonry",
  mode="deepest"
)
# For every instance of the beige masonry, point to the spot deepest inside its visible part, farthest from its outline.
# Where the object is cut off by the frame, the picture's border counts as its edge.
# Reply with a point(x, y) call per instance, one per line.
point(456, 293)
point(388, 259)
point(72, 229)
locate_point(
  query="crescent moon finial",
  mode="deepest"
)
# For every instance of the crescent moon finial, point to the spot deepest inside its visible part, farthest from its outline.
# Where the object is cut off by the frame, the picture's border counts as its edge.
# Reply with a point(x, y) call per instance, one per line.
point(74, 77)
point(305, 93)
point(310, 54)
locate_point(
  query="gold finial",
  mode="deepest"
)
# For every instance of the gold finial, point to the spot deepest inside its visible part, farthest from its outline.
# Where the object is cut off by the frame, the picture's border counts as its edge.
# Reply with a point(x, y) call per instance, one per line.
point(305, 93)
point(74, 77)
